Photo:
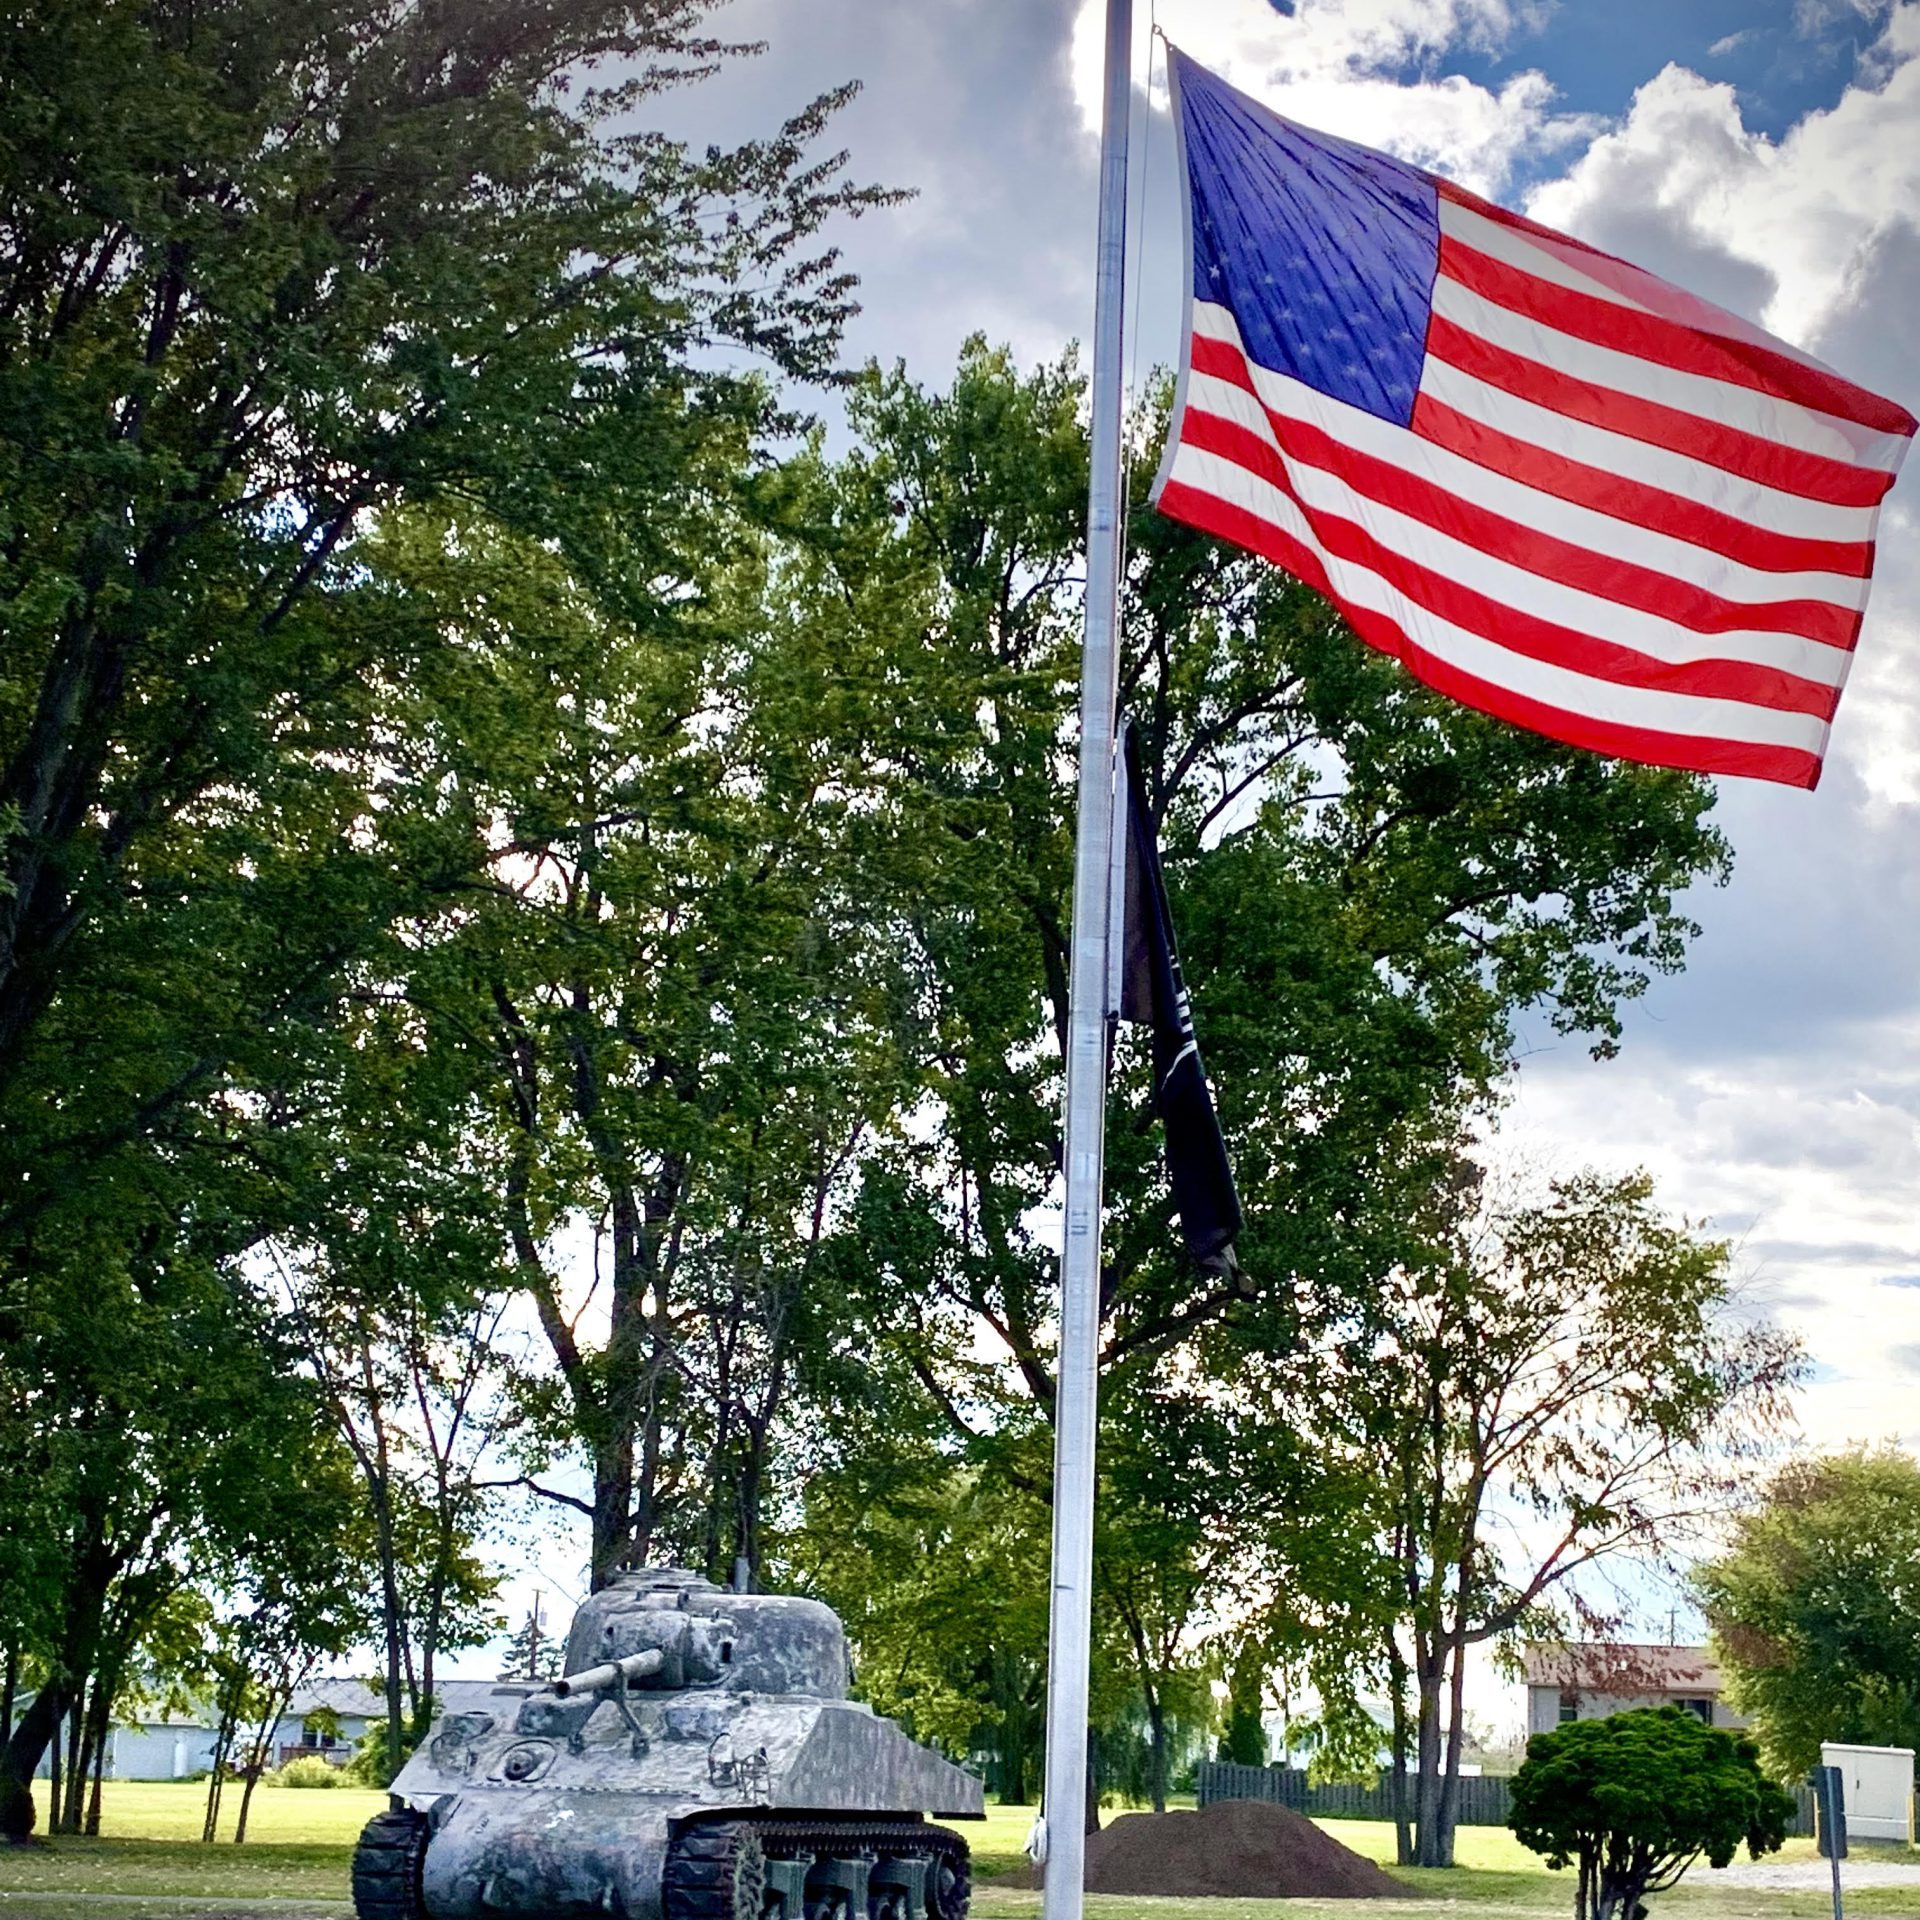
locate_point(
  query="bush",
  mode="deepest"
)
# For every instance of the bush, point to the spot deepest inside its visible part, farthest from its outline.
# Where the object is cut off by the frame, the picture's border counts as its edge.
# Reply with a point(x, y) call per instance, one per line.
point(305, 1770)
point(371, 1765)
point(1637, 1798)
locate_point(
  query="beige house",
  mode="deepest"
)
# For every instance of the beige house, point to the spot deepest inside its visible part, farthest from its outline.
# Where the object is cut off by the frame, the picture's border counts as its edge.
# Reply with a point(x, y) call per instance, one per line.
point(1587, 1680)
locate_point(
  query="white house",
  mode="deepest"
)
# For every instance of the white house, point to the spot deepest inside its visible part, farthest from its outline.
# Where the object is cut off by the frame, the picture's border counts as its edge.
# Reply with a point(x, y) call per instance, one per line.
point(329, 1715)
point(1587, 1680)
point(160, 1747)
point(326, 1717)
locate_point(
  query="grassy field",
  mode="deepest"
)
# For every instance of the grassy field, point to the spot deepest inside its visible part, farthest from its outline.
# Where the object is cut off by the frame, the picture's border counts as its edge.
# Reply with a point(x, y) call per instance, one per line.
point(148, 1863)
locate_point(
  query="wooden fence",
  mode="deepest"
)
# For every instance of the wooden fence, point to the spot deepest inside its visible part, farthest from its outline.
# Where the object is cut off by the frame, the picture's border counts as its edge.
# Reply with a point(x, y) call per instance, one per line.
point(1483, 1797)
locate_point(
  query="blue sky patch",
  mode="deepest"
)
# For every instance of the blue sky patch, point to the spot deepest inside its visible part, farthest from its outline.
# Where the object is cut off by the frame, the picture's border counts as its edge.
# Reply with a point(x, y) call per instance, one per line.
point(1598, 55)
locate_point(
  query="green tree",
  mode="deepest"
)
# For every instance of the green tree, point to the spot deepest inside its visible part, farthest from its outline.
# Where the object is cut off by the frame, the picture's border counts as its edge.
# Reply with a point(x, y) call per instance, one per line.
point(1634, 1799)
point(1243, 1740)
point(1575, 1359)
point(274, 277)
point(1369, 882)
point(532, 1651)
point(170, 1434)
point(1812, 1606)
point(1225, 1539)
point(269, 269)
point(401, 1353)
point(664, 1018)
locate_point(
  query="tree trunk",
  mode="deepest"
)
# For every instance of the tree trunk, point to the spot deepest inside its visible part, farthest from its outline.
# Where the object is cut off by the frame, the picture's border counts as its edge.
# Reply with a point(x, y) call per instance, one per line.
point(55, 1778)
point(1402, 1811)
point(100, 1773)
point(76, 1758)
point(246, 1800)
point(1427, 1781)
point(89, 1574)
point(1156, 1750)
point(746, 1545)
point(102, 1735)
point(1448, 1811)
point(222, 1753)
point(260, 1749)
point(391, 1629)
point(612, 1508)
point(1092, 1823)
point(9, 1685)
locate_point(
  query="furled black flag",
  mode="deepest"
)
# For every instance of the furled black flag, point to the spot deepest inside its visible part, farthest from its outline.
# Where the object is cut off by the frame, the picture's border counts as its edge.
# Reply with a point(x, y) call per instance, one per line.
point(1145, 971)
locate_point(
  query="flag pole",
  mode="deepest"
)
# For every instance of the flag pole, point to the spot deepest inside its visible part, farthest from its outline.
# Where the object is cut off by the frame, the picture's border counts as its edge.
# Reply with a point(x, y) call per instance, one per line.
point(1070, 1634)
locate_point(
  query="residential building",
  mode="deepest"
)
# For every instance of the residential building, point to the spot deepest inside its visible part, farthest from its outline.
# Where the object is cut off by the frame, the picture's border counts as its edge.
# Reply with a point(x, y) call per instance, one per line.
point(326, 1717)
point(1587, 1680)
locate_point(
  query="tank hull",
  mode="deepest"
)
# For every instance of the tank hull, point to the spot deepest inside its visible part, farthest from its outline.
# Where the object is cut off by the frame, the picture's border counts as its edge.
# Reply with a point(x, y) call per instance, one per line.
point(564, 1855)
point(572, 1807)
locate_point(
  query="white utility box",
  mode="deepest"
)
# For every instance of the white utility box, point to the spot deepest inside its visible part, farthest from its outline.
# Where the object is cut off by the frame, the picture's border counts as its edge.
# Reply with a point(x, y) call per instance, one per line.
point(1879, 1786)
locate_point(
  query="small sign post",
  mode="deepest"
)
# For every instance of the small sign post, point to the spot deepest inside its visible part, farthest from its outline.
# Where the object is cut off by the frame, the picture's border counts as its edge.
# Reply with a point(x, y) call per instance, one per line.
point(1830, 1796)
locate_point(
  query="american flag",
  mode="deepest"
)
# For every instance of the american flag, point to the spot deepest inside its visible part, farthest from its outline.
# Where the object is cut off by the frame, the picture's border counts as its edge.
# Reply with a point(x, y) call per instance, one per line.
point(1557, 488)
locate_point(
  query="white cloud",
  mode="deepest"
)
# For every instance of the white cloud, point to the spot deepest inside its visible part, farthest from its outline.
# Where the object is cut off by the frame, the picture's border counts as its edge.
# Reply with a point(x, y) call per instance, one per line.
point(1810, 1167)
point(1342, 67)
point(1807, 213)
point(1817, 236)
point(1776, 1088)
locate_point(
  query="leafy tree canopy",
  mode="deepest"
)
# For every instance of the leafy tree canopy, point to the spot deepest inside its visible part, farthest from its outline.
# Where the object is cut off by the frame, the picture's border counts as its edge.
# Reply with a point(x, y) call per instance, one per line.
point(1813, 1606)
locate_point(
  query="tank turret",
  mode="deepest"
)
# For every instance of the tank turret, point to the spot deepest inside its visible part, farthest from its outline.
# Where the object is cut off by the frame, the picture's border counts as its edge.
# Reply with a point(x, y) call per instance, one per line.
point(698, 1760)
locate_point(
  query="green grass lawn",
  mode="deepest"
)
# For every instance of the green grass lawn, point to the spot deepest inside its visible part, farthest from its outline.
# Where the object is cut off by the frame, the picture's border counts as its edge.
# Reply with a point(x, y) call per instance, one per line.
point(294, 1865)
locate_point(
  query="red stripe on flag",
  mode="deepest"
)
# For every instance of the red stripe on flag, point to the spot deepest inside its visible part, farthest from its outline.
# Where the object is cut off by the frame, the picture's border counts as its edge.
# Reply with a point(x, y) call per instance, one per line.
point(1676, 304)
point(1669, 343)
point(1786, 469)
point(1624, 499)
point(1693, 753)
point(1545, 554)
point(1465, 607)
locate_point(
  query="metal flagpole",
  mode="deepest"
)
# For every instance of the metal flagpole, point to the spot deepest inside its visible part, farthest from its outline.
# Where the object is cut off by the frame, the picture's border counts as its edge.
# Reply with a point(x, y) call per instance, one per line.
point(1069, 1648)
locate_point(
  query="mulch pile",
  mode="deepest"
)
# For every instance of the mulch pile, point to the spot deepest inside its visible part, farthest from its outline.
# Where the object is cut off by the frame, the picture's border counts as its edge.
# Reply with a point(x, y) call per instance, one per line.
point(1246, 1849)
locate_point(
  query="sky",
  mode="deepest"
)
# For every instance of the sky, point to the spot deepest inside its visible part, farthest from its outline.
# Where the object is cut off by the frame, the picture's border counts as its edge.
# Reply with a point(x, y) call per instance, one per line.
point(1764, 153)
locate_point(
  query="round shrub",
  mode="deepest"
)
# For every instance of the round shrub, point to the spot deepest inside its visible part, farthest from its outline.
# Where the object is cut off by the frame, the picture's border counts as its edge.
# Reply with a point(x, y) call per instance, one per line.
point(1636, 1798)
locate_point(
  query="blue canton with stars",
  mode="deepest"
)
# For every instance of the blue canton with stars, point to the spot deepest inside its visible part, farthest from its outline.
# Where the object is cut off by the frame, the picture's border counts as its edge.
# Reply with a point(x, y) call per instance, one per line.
point(1324, 251)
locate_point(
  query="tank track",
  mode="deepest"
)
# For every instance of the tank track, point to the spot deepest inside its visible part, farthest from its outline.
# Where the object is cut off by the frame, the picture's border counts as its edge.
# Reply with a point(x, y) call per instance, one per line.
point(732, 1869)
point(386, 1866)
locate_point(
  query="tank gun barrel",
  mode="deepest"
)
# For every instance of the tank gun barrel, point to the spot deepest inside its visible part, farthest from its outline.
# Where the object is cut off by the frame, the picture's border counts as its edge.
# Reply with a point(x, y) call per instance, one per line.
point(612, 1673)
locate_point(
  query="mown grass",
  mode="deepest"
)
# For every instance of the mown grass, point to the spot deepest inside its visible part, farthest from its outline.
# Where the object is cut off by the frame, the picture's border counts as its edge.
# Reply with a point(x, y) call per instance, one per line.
point(294, 1864)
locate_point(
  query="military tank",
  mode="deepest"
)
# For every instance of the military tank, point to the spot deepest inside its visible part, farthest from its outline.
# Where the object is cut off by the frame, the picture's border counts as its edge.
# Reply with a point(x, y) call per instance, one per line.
point(698, 1760)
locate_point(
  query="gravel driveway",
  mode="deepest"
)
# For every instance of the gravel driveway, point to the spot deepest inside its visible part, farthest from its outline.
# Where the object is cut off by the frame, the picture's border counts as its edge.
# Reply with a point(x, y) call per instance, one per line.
point(1812, 1876)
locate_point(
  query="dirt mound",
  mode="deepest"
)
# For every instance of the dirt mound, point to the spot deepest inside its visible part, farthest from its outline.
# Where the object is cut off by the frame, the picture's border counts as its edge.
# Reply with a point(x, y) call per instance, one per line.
point(1248, 1849)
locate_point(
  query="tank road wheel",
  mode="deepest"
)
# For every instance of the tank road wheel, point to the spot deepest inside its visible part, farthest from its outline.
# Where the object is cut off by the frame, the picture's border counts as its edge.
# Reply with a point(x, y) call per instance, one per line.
point(715, 1871)
point(950, 1884)
point(387, 1865)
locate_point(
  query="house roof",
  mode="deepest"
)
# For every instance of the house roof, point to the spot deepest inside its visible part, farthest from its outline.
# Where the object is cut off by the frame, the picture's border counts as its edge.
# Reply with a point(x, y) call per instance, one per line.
point(1620, 1667)
point(346, 1694)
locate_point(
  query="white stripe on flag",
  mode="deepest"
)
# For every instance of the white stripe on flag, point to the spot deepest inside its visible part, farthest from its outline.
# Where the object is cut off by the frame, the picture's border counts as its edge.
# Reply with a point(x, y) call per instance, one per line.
point(1554, 686)
point(1599, 533)
point(1746, 409)
point(1760, 506)
point(1512, 248)
point(1320, 491)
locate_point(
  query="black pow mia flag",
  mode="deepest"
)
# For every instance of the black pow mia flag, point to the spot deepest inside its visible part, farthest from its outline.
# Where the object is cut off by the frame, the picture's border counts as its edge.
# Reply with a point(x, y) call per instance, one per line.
point(1144, 985)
